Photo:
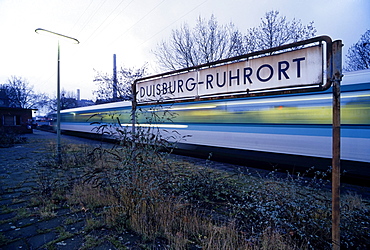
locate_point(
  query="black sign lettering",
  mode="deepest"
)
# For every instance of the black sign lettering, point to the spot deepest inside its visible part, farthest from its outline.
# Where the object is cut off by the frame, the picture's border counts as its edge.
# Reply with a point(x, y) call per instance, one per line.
point(209, 79)
point(259, 73)
point(298, 61)
point(287, 69)
point(180, 83)
point(282, 70)
point(192, 84)
point(247, 74)
point(220, 85)
point(234, 77)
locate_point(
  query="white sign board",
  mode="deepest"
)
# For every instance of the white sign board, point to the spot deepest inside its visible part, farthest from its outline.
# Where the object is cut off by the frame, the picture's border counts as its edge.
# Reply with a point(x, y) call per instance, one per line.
point(298, 68)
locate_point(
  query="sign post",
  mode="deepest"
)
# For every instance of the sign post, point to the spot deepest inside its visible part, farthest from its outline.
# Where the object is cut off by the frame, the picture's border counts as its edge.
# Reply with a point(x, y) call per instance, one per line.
point(337, 77)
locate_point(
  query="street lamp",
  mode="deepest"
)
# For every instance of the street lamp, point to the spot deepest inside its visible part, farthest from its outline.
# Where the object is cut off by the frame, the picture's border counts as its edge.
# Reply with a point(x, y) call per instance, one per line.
point(59, 36)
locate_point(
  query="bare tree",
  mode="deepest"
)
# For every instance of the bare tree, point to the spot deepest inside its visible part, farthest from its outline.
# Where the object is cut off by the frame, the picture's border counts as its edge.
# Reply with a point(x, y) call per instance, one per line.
point(125, 77)
point(4, 99)
point(42, 101)
point(68, 100)
point(358, 56)
point(275, 30)
point(206, 42)
point(20, 93)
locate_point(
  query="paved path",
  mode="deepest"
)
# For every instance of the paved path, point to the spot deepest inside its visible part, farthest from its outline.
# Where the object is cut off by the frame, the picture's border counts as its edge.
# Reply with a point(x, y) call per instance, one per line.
point(21, 179)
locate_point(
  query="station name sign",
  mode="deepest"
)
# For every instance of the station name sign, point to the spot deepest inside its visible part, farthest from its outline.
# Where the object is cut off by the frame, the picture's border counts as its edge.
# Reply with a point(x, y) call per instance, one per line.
point(293, 69)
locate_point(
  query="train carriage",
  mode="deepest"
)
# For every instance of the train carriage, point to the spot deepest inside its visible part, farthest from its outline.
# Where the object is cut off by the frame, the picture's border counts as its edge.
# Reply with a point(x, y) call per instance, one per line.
point(289, 125)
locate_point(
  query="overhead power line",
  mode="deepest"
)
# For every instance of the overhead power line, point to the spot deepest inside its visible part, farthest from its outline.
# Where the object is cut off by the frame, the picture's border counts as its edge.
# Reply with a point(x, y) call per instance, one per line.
point(148, 13)
point(174, 22)
point(107, 25)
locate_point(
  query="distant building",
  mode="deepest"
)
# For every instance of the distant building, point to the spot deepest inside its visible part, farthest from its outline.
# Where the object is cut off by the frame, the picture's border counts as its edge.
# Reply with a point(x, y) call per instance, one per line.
point(16, 119)
point(84, 103)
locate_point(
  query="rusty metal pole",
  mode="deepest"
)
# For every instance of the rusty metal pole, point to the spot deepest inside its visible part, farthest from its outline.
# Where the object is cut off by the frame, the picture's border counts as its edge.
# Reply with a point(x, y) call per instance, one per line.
point(337, 77)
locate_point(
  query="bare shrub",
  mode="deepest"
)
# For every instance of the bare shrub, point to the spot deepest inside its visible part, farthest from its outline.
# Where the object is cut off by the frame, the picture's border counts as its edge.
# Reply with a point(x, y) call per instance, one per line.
point(9, 137)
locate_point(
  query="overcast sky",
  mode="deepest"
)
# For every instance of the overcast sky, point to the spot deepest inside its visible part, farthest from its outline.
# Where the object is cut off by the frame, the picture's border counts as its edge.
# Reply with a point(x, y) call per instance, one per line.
point(132, 28)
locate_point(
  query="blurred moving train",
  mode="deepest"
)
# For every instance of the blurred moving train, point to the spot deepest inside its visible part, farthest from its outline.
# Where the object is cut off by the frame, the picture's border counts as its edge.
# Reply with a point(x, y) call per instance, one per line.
point(258, 128)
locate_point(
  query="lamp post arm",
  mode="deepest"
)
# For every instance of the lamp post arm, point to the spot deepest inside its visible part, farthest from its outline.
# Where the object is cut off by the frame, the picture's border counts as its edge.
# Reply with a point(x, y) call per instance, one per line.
point(40, 30)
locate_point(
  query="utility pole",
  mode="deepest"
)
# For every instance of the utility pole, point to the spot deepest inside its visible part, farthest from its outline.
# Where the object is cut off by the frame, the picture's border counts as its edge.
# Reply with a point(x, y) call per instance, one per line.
point(114, 78)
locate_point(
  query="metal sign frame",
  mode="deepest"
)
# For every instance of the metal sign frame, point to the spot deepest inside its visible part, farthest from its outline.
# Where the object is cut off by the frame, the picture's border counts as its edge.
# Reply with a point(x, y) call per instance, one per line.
point(324, 41)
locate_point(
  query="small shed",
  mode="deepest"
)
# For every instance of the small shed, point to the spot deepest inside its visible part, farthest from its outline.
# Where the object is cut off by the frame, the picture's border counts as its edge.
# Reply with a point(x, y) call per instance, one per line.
point(17, 120)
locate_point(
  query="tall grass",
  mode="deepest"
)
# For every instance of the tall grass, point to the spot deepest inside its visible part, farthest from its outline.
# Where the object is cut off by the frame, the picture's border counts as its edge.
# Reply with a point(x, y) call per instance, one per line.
point(190, 205)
